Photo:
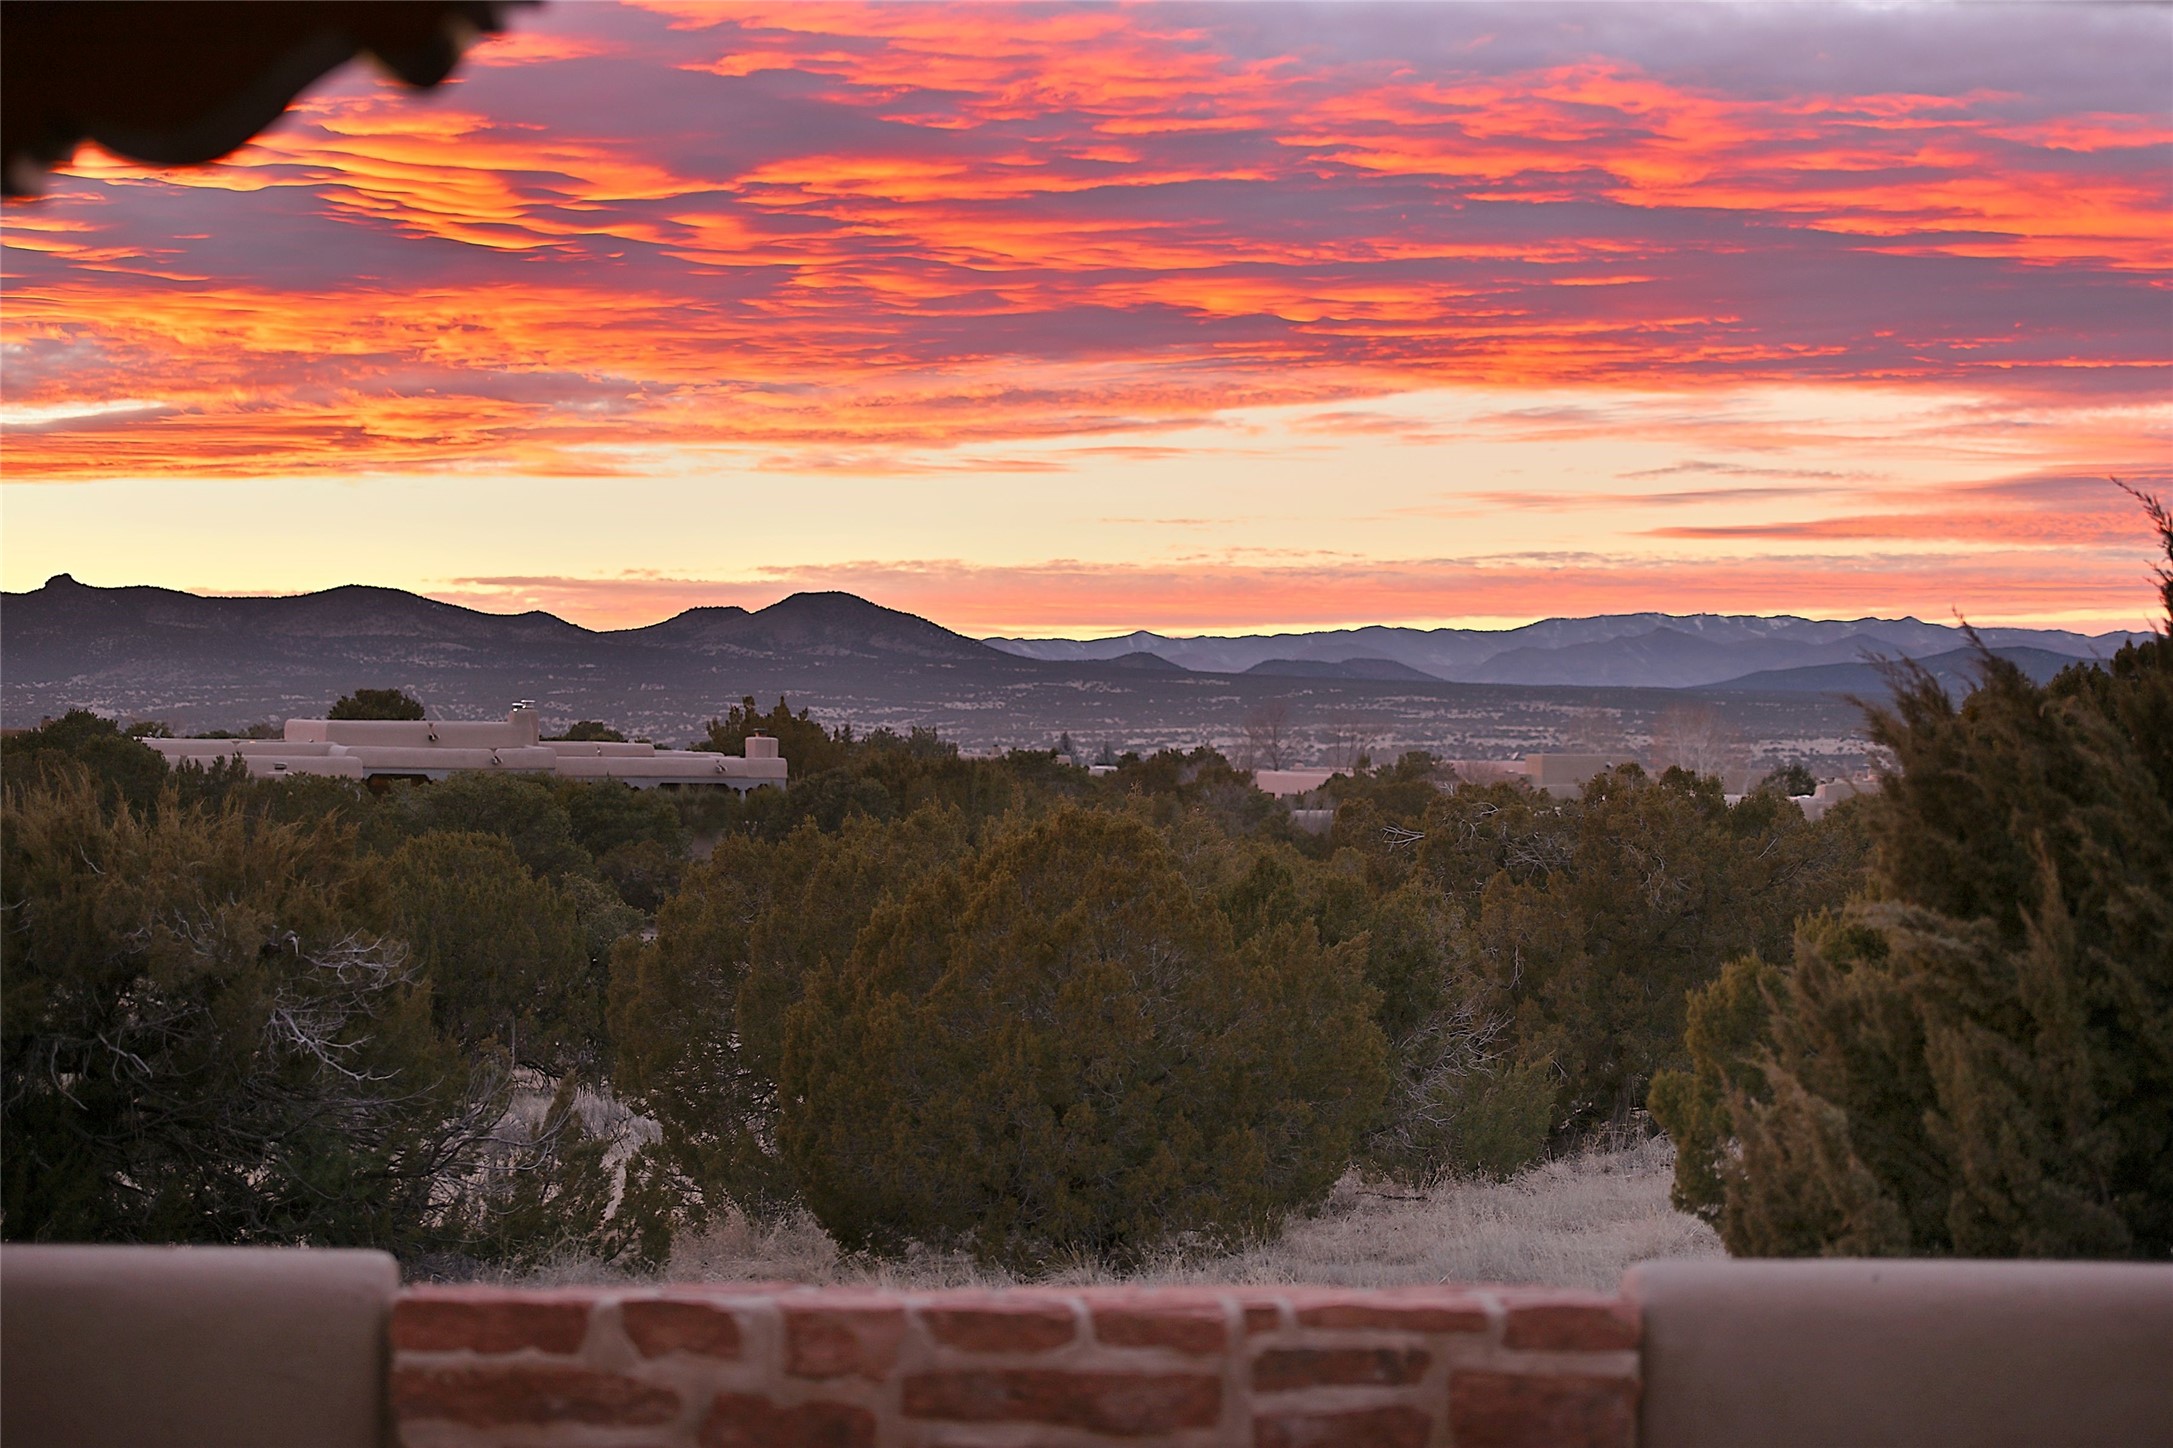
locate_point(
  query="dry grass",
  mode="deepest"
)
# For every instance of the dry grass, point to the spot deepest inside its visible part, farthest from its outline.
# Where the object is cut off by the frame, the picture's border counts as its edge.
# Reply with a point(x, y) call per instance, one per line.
point(1577, 1222)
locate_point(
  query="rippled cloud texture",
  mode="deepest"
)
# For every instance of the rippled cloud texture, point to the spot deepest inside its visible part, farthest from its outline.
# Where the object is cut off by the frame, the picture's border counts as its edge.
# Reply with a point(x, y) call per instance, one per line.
point(1053, 317)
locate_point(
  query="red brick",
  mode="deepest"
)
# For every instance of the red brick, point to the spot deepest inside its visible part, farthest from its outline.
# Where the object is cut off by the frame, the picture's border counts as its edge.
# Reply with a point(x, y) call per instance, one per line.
point(491, 1320)
point(1571, 1322)
point(738, 1420)
point(831, 1340)
point(1393, 1427)
point(1423, 1311)
point(658, 1325)
point(1263, 1309)
point(1280, 1369)
point(995, 1324)
point(506, 1393)
point(1541, 1410)
point(1197, 1328)
point(1128, 1405)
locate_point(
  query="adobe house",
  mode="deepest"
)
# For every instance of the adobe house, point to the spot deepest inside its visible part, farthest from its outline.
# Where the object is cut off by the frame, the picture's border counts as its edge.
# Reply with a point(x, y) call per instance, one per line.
point(388, 749)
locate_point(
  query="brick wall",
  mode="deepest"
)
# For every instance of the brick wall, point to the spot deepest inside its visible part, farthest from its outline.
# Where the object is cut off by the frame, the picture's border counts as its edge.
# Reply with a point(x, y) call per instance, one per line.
point(735, 1366)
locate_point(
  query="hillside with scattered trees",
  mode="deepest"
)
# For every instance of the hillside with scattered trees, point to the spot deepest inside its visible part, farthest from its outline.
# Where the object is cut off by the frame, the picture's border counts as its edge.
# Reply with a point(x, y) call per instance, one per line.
point(1017, 1010)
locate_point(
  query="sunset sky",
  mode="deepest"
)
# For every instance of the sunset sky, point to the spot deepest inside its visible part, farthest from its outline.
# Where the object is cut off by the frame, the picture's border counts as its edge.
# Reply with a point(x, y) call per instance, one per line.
point(1078, 319)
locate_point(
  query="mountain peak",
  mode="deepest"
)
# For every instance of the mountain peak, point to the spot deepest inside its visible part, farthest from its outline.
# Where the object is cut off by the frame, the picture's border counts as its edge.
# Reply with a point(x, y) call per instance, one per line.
point(824, 622)
point(830, 603)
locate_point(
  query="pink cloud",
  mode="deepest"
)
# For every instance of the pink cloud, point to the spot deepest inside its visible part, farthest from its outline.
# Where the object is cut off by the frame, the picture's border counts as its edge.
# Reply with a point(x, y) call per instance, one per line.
point(2061, 511)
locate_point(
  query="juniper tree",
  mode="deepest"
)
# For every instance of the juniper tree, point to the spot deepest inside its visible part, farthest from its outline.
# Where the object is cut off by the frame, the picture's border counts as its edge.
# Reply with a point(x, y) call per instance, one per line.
point(528, 813)
point(590, 731)
point(1600, 916)
point(1977, 1058)
point(203, 1042)
point(1457, 1102)
point(697, 1014)
point(504, 953)
point(208, 1034)
point(635, 836)
point(124, 769)
point(808, 748)
point(1054, 1049)
point(376, 704)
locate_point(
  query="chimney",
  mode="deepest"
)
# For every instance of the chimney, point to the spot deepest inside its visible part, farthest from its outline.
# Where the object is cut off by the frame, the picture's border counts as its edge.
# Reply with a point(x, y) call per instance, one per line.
point(761, 746)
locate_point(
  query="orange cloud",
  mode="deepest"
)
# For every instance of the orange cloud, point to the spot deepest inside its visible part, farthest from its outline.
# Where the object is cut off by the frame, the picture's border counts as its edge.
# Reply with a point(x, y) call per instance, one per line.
point(847, 270)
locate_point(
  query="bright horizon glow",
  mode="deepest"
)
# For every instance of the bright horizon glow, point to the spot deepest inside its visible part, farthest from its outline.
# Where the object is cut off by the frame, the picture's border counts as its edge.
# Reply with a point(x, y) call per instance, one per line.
point(1069, 321)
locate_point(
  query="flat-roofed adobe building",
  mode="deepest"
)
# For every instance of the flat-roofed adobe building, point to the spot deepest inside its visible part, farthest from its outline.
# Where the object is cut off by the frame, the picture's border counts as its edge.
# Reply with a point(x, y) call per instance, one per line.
point(434, 748)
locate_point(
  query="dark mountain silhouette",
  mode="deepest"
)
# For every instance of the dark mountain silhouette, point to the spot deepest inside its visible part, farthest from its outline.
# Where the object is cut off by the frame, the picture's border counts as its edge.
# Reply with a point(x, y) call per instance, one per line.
point(839, 625)
point(215, 662)
point(202, 663)
point(66, 613)
point(1142, 661)
point(697, 628)
point(1676, 650)
point(67, 629)
point(1958, 670)
point(1385, 669)
point(1668, 658)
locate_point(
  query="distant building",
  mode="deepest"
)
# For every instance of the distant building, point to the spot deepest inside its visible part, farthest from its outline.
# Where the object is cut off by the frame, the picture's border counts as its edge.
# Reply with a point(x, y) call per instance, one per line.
point(1292, 785)
point(1288, 783)
point(1564, 775)
point(1833, 792)
point(1561, 775)
point(435, 748)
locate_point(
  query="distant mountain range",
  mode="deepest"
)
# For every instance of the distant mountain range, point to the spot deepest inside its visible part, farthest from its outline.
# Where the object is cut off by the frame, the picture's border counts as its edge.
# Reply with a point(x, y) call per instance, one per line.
point(200, 663)
point(1635, 650)
point(1336, 669)
point(1957, 670)
point(194, 661)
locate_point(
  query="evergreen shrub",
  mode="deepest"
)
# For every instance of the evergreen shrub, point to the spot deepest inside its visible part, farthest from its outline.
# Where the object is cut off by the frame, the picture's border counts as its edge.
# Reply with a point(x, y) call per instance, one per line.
point(1976, 1058)
point(1052, 1049)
